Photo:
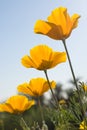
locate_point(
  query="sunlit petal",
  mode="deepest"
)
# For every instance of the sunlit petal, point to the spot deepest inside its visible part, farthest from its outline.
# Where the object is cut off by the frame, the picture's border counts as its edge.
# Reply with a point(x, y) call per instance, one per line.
point(6, 108)
point(41, 27)
point(27, 62)
point(74, 19)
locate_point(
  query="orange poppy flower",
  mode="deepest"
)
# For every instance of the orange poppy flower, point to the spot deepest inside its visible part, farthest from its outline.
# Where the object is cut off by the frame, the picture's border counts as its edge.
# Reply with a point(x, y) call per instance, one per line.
point(36, 87)
point(43, 57)
point(59, 24)
point(16, 104)
point(83, 126)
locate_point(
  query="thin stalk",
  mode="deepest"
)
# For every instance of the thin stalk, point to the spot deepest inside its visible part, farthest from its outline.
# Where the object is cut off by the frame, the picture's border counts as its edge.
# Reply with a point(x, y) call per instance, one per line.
point(56, 102)
point(39, 103)
point(2, 124)
point(24, 124)
point(73, 74)
point(72, 71)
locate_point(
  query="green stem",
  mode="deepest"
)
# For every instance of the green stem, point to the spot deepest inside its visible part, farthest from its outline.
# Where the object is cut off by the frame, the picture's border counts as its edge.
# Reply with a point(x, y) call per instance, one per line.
point(25, 126)
point(56, 102)
point(72, 71)
point(74, 78)
point(39, 103)
point(2, 124)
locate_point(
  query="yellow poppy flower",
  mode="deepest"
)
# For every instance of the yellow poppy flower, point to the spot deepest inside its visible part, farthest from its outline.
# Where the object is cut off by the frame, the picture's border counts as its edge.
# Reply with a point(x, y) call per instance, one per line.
point(59, 24)
point(83, 126)
point(62, 102)
point(43, 57)
point(36, 87)
point(16, 104)
point(85, 87)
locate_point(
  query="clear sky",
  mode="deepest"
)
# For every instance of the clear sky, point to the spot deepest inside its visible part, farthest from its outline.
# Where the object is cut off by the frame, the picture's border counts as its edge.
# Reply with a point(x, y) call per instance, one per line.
point(17, 19)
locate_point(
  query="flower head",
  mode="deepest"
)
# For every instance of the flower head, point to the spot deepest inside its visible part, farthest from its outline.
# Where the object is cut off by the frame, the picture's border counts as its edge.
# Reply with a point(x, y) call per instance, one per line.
point(59, 24)
point(16, 104)
point(62, 102)
point(85, 87)
point(43, 57)
point(83, 126)
point(36, 87)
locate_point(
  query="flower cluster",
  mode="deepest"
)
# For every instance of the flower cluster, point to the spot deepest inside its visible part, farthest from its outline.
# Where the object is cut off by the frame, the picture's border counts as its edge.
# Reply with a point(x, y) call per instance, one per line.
point(58, 26)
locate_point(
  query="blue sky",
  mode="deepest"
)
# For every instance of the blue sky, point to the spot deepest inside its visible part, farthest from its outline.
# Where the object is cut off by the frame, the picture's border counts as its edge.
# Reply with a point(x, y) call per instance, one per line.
point(17, 19)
